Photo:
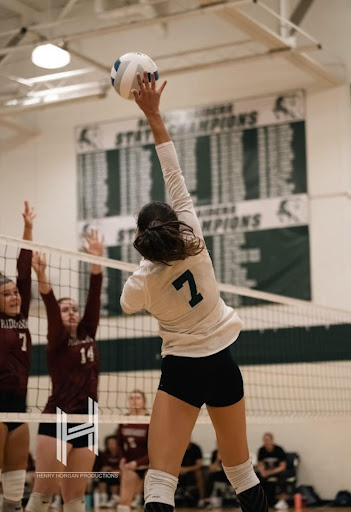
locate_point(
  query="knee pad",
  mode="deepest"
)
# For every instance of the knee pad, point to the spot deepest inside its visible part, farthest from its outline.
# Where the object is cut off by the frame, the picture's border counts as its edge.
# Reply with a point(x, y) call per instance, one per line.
point(242, 477)
point(38, 502)
point(123, 508)
point(13, 484)
point(76, 505)
point(159, 487)
point(11, 506)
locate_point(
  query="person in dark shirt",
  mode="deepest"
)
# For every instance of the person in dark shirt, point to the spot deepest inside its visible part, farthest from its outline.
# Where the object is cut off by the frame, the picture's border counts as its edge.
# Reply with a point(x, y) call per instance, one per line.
point(108, 460)
point(191, 471)
point(272, 463)
point(215, 474)
point(132, 440)
point(15, 357)
point(72, 360)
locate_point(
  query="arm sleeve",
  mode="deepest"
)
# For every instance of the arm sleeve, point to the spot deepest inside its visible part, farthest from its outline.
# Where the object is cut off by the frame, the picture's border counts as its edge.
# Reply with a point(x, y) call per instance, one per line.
point(92, 308)
point(181, 201)
point(24, 280)
point(56, 328)
point(133, 295)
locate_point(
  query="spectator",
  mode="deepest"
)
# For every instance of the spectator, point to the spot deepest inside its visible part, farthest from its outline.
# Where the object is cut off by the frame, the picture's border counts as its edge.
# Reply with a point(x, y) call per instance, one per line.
point(30, 473)
point(191, 472)
point(132, 442)
point(215, 474)
point(272, 463)
point(108, 461)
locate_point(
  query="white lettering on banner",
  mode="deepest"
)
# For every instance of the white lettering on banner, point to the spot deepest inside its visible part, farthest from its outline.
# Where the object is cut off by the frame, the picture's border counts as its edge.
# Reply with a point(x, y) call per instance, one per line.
point(242, 114)
point(244, 216)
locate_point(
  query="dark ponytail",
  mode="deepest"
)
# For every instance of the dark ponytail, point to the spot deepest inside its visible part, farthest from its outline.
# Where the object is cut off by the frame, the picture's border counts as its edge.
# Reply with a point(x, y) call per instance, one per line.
point(162, 237)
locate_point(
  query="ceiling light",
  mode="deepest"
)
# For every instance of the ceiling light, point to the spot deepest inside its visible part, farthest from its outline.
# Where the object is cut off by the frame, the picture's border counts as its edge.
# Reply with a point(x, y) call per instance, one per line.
point(50, 56)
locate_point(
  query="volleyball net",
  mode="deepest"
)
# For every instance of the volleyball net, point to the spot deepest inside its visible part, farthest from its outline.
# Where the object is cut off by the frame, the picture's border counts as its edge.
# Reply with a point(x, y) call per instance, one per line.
point(295, 356)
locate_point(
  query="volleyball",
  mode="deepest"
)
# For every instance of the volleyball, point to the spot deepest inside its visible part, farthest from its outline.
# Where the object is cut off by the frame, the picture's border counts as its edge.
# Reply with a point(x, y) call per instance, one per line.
point(125, 69)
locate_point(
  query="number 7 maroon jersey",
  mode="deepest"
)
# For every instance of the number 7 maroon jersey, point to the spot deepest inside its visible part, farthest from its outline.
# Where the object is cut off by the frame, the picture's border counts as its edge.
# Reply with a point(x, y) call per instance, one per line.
point(15, 339)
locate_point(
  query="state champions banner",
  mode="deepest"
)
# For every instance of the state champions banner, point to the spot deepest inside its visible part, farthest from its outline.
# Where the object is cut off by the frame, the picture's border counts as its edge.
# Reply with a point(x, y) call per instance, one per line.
point(245, 166)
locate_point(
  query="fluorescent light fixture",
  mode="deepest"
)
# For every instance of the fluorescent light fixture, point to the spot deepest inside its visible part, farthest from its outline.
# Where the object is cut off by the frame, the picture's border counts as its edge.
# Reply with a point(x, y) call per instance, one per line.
point(50, 56)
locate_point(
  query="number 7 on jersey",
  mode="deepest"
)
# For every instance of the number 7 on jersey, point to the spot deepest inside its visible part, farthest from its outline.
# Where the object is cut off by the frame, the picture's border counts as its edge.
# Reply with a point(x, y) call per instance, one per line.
point(178, 284)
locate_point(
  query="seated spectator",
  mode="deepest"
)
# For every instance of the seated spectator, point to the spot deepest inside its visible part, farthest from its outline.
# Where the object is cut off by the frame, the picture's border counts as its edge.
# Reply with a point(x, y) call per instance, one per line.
point(132, 443)
point(215, 474)
point(191, 472)
point(30, 473)
point(272, 463)
point(108, 461)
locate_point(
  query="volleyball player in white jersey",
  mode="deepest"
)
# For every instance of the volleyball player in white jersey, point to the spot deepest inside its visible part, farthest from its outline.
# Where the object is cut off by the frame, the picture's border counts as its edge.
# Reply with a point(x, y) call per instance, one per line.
point(175, 282)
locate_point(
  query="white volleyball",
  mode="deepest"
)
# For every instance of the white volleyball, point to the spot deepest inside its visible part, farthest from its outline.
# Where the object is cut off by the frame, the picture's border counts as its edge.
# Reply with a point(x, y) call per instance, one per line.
point(125, 69)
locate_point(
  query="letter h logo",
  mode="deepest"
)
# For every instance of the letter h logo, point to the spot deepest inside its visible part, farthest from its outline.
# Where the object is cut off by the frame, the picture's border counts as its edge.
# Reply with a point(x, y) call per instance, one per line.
point(64, 434)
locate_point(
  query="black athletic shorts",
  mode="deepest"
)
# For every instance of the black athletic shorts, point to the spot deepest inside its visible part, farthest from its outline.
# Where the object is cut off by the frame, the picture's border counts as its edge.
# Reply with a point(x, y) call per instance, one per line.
point(213, 380)
point(49, 429)
point(9, 402)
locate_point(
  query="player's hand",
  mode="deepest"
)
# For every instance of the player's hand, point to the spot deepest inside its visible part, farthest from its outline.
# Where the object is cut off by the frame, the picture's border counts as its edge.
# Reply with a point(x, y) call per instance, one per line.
point(95, 246)
point(39, 262)
point(28, 215)
point(148, 96)
point(131, 465)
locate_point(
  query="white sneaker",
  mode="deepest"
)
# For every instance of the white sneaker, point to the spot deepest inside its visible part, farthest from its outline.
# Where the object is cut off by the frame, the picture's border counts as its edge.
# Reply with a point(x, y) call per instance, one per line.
point(102, 500)
point(137, 502)
point(281, 505)
point(112, 502)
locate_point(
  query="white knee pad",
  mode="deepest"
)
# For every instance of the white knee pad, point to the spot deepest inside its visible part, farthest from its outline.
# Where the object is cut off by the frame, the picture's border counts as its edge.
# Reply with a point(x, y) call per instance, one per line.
point(76, 505)
point(13, 484)
point(159, 487)
point(11, 506)
point(242, 477)
point(38, 502)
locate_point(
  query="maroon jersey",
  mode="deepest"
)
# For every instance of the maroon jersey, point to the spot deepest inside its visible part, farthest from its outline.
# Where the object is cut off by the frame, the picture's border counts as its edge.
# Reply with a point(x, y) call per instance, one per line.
point(73, 362)
point(15, 340)
point(132, 442)
point(106, 459)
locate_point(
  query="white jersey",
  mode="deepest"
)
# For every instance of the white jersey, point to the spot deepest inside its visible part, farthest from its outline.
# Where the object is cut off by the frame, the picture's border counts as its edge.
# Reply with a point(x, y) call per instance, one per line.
point(193, 319)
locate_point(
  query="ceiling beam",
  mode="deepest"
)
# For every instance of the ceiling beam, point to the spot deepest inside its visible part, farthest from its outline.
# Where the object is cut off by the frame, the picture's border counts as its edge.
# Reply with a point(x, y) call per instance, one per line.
point(66, 9)
point(273, 42)
point(299, 13)
point(117, 28)
point(20, 8)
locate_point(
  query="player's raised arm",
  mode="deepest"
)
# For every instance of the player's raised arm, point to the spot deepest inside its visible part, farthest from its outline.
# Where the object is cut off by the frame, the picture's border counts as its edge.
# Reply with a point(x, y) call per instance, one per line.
point(148, 100)
point(28, 218)
point(39, 267)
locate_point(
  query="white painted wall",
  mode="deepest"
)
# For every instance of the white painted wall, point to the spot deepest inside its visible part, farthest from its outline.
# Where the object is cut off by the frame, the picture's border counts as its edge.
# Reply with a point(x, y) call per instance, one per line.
point(43, 171)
